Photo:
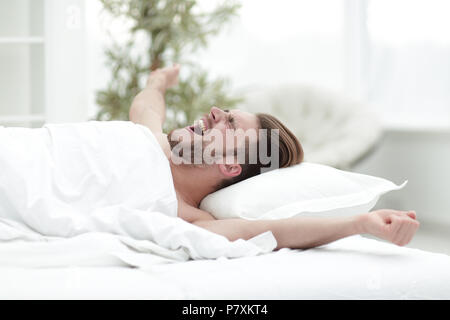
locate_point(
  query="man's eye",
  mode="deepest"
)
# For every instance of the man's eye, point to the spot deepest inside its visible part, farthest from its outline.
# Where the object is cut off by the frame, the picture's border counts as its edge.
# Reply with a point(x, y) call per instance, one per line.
point(231, 121)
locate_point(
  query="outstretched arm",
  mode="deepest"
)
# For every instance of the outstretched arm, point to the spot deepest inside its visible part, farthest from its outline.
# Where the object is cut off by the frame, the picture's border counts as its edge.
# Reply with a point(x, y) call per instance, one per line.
point(149, 106)
point(306, 232)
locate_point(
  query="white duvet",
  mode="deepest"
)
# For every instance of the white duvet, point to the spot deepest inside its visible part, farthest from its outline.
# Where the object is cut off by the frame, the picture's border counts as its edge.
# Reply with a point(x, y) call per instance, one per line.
point(97, 193)
point(350, 268)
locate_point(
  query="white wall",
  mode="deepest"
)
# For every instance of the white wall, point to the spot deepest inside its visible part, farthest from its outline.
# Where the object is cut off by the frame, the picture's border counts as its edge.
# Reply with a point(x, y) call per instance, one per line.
point(65, 61)
point(281, 42)
point(42, 62)
point(423, 158)
point(97, 73)
point(14, 59)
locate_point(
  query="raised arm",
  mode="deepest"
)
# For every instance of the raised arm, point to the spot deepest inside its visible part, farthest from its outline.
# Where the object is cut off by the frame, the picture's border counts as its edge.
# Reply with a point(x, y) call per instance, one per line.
point(149, 106)
point(306, 232)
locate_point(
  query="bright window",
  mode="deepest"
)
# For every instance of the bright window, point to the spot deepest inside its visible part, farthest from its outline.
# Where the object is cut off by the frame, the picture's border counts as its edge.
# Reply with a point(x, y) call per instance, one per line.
point(409, 60)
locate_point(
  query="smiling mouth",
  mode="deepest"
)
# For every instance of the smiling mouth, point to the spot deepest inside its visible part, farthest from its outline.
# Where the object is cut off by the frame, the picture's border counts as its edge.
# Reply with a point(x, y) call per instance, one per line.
point(199, 127)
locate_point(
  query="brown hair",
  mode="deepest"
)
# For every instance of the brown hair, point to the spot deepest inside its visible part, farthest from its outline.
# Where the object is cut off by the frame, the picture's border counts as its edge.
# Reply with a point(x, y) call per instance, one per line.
point(290, 150)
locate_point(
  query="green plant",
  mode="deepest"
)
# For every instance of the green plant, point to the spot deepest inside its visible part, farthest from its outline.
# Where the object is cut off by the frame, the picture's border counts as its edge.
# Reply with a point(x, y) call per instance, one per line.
point(174, 30)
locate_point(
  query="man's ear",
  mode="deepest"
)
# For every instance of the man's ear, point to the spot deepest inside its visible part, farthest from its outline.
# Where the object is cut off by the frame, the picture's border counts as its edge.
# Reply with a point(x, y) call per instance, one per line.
point(230, 170)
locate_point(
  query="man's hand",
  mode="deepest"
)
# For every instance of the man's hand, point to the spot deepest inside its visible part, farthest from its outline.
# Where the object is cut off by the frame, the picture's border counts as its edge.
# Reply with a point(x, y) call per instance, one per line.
point(163, 79)
point(398, 227)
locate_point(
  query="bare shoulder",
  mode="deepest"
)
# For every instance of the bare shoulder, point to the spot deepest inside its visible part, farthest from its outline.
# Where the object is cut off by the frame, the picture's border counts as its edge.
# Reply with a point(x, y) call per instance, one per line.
point(192, 214)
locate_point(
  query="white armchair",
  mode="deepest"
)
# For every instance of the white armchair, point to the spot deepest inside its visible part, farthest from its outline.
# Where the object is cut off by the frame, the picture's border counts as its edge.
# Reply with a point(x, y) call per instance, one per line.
point(334, 130)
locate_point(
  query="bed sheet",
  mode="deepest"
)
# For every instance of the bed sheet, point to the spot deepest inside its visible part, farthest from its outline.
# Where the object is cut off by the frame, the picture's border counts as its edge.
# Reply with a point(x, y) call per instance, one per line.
point(351, 268)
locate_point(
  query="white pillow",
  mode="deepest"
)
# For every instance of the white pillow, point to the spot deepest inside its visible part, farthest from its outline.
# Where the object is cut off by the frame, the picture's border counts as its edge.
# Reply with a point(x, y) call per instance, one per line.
point(306, 188)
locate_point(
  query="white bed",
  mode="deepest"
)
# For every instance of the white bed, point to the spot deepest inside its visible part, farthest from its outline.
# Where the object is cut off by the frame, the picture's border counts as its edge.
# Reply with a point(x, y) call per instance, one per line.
point(351, 268)
point(63, 244)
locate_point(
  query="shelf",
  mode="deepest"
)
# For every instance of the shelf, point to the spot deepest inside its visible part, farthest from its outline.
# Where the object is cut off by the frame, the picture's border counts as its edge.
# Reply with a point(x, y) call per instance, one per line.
point(22, 118)
point(21, 40)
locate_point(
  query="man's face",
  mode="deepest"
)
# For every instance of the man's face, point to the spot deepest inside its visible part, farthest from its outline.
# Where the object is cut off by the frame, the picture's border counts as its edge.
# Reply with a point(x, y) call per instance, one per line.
point(219, 130)
point(222, 120)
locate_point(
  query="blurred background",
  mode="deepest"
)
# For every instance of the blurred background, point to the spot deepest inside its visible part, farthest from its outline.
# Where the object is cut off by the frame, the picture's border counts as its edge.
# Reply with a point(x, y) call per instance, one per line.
point(365, 84)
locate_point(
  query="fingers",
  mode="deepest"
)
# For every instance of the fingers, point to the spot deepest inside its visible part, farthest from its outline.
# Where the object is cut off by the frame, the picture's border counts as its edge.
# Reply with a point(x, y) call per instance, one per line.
point(168, 76)
point(409, 230)
point(174, 67)
point(403, 229)
point(398, 227)
point(387, 213)
point(409, 235)
point(412, 214)
point(400, 231)
point(395, 228)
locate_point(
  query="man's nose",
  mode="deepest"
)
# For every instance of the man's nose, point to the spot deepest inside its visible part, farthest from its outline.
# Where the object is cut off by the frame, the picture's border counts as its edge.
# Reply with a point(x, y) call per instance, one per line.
point(216, 114)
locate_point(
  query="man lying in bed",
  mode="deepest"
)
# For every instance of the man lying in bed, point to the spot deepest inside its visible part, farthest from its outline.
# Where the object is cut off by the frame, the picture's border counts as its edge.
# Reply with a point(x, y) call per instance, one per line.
point(194, 181)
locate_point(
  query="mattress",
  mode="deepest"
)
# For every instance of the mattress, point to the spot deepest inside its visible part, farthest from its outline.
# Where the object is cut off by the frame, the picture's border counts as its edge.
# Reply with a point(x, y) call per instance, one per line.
point(350, 268)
